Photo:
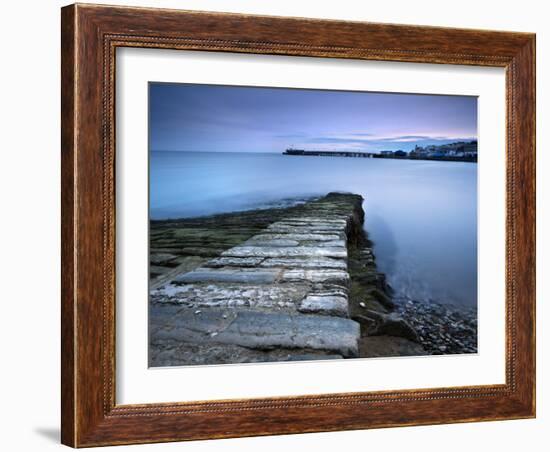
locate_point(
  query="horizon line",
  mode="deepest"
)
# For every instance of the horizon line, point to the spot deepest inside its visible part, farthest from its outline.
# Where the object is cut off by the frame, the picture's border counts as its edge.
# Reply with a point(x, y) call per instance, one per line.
point(291, 147)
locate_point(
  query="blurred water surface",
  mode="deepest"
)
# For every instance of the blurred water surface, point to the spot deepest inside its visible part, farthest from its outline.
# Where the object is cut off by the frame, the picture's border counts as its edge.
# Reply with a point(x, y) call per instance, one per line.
point(421, 215)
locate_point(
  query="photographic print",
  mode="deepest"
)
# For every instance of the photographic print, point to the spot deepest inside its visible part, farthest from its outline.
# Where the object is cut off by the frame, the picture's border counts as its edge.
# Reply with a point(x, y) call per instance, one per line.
point(301, 224)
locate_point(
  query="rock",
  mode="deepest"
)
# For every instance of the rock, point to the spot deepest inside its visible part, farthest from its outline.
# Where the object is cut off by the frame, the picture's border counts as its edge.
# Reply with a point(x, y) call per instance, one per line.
point(394, 325)
point(325, 304)
point(313, 229)
point(232, 295)
point(381, 346)
point(156, 269)
point(315, 220)
point(442, 329)
point(338, 277)
point(234, 262)
point(226, 275)
point(303, 262)
point(161, 258)
point(306, 251)
point(257, 329)
point(311, 356)
point(174, 353)
point(337, 243)
point(299, 237)
point(374, 315)
point(275, 242)
point(383, 299)
point(391, 325)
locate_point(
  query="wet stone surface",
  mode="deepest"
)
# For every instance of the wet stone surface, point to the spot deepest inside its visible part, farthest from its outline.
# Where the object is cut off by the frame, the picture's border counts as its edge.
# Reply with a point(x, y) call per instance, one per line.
point(285, 288)
point(255, 329)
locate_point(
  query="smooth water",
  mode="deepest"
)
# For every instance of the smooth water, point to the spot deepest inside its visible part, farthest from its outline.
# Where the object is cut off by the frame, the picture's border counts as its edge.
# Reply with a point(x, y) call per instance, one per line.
point(421, 215)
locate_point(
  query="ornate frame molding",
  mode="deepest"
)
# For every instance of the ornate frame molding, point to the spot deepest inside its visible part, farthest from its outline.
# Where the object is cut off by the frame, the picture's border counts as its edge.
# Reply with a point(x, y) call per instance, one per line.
point(90, 36)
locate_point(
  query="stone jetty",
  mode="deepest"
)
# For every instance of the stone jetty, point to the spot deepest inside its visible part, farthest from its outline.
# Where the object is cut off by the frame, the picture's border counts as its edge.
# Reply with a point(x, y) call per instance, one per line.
point(281, 294)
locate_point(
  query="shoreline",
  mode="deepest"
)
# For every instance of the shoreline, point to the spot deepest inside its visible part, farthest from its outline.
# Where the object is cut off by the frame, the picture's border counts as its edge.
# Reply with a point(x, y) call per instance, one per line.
point(442, 328)
point(280, 204)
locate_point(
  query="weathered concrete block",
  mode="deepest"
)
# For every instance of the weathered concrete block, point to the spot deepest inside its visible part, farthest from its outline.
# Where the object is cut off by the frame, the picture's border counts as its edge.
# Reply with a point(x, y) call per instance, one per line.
point(333, 243)
point(279, 296)
point(172, 353)
point(317, 276)
point(299, 237)
point(260, 251)
point(234, 262)
point(257, 329)
point(306, 229)
point(229, 275)
point(333, 221)
point(254, 241)
point(161, 258)
point(325, 304)
point(305, 262)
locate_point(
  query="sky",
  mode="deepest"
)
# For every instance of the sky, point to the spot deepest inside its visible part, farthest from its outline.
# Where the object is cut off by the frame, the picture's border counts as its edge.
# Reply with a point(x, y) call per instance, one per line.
point(215, 118)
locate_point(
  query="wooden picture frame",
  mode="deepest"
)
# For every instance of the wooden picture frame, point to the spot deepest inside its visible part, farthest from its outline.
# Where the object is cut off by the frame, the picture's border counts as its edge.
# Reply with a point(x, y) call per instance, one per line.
point(90, 36)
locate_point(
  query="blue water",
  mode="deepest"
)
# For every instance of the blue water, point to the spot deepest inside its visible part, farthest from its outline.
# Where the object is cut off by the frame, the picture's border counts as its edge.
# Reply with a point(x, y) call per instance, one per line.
point(421, 215)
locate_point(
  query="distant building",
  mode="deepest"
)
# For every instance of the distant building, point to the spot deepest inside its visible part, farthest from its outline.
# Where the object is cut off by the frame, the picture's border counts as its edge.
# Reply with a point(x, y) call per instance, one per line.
point(418, 151)
point(455, 152)
point(470, 149)
point(400, 153)
point(386, 153)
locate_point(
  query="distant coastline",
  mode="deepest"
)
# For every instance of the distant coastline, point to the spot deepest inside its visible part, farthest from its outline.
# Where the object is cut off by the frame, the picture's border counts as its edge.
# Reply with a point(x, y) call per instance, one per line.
point(453, 152)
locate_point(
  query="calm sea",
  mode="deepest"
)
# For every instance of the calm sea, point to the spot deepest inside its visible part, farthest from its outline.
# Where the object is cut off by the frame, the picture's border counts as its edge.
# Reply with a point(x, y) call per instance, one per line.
point(420, 215)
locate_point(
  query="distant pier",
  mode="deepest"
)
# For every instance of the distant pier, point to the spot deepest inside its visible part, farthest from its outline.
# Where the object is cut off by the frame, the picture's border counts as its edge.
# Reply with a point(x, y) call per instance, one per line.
point(291, 151)
point(400, 155)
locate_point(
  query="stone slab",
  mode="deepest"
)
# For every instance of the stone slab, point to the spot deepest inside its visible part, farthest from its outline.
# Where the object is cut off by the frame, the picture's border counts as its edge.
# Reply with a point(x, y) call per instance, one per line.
point(260, 251)
point(279, 296)
point(234, 262)
point(325, 304)
point(274, 242)
point(161, 258)
point(299, 237)
point(304, 262)
point(172, 353)
point(312, 221)
point(256, 329)
point(229, 275)
point(309, 229)
point(316, 276)
point(332, 243)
